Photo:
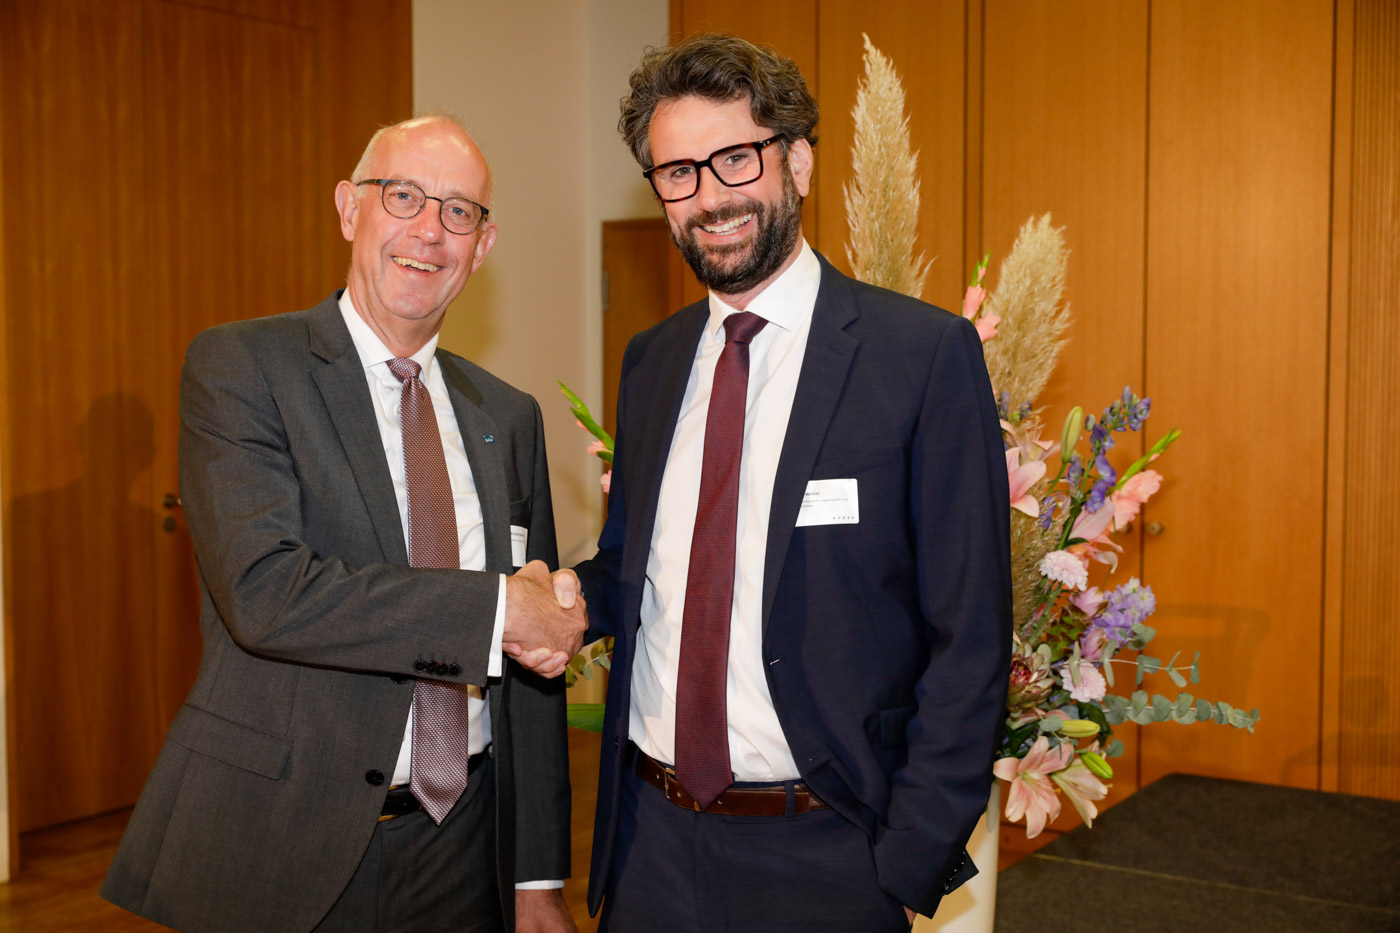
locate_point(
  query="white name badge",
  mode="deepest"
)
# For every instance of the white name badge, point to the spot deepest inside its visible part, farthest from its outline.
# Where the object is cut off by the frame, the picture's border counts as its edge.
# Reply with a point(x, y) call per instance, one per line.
point(518, 535)
point(829, 502)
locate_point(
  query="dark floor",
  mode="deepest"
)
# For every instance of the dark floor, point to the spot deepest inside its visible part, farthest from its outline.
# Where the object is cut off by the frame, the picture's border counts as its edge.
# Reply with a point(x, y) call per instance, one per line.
point(1203, 854)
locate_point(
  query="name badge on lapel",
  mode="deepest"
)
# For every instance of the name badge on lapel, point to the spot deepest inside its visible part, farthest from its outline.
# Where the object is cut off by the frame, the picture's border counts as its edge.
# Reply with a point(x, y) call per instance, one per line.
point(829, 502)
point(518, 536)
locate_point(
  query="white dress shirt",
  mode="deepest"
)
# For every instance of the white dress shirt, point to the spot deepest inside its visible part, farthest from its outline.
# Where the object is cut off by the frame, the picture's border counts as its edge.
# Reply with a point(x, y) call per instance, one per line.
point(386, 391)
point(758, 750)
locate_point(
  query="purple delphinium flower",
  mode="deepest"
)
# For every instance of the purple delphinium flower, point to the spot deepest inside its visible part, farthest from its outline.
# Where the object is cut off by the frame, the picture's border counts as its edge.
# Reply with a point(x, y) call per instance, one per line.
point(1106, 471)
point(1075, 471)
point(1127, 606)
point(1098, 495)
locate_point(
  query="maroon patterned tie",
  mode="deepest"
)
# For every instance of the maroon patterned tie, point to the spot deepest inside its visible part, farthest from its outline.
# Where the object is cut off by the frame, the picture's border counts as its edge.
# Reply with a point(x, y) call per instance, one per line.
point(702, 720)
point(440, 754)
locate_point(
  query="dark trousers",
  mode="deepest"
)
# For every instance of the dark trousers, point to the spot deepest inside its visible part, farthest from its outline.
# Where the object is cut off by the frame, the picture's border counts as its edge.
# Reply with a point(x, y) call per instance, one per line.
point(419, 878)
point(686, 872)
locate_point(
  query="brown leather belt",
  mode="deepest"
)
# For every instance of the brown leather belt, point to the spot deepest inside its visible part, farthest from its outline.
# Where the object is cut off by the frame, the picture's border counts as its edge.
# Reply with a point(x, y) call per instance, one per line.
point(736, 801)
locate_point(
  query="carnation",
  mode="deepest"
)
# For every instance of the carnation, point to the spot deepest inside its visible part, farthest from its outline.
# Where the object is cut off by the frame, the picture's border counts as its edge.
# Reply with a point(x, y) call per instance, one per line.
point(1064, 567)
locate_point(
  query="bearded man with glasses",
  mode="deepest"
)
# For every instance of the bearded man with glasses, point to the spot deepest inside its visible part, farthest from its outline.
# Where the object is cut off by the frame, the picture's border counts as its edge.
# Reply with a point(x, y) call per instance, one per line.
point(805, 563)
point(356, 754)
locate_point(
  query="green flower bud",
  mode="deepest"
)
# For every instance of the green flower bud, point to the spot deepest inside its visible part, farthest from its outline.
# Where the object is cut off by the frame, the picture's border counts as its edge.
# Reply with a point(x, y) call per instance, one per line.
point(1078, 728)
point(1074, 425)
point(1096, 763)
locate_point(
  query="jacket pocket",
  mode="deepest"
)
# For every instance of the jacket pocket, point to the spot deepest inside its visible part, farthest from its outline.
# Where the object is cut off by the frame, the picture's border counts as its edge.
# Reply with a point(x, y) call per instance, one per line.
point(207, 734)
point(893, 723)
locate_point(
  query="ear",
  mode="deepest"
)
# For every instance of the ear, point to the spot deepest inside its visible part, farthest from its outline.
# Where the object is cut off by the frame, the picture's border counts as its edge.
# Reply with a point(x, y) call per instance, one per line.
point(801, 162)
point(347, 205)
point(486, 238)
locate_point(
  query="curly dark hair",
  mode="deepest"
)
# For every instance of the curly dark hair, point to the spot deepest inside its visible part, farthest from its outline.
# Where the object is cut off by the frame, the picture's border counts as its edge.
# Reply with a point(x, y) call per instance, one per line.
point(722, 69)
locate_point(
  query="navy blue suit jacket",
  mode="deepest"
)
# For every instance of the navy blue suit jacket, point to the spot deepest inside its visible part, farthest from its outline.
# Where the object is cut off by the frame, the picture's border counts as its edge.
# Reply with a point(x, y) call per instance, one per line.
point(886, 643)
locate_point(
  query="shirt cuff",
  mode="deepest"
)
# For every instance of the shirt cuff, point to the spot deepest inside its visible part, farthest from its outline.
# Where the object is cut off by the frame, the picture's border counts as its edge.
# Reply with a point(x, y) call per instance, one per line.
point(493, 663)
point(537, 885)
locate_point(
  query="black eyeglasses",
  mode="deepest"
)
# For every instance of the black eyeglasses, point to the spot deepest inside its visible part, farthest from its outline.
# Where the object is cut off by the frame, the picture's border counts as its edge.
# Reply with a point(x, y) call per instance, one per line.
point(733, 166)
point(404, 199)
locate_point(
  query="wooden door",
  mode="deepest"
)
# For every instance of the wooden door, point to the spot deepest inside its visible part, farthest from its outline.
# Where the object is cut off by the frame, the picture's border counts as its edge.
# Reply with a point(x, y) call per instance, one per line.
point(1239, 204)
point(169, 166)
point(636, 254)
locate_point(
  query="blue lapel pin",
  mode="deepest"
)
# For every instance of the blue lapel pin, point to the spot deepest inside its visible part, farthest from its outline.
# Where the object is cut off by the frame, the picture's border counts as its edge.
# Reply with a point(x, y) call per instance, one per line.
point(488, 438)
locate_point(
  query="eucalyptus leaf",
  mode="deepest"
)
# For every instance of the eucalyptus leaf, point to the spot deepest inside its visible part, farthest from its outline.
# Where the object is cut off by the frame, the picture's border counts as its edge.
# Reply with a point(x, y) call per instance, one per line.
point(1176, 677)
point(1183, 703)
point(1108, 665)
point(1114, 749)
point(1161, 708)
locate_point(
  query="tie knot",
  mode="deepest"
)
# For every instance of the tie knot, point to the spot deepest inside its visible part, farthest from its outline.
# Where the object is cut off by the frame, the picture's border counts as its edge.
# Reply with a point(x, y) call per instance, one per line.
point(404, 369)
point(742, 327)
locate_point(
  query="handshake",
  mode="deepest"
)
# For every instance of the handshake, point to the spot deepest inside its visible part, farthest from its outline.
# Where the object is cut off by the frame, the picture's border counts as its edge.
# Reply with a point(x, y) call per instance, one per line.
point(546, 617)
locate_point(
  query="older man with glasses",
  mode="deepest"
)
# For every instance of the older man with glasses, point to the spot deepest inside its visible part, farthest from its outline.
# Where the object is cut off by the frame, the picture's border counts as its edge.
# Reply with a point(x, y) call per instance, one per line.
point(805, 563)
point(356, 755)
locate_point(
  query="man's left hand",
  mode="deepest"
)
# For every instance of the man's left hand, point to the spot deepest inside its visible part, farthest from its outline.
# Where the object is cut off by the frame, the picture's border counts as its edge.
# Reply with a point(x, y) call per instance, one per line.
point(542, 911)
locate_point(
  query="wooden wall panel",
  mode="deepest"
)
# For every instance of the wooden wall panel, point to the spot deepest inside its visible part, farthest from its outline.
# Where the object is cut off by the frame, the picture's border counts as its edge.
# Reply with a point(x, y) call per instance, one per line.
point(78, 445)
point(1238, 243)
point(1064, 130)
point(1369, 708)
point(927, 43)
point(190, 151)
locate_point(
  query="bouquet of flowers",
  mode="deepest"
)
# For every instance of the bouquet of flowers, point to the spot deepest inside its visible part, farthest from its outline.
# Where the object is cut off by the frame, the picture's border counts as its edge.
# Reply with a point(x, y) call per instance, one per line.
point(1068, 501)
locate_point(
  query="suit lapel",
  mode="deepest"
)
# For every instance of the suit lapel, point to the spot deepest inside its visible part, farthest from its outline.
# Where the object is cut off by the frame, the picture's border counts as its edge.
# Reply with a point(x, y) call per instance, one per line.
point(488, 470)
point(824, 367)
point(663, 375)
point(340, 376)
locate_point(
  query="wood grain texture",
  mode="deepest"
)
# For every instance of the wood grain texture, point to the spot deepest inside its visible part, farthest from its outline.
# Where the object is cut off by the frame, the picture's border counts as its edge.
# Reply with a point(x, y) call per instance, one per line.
point(926, 43)
point(1237, 290)
point(1333, 552)
point(192, 149)
point(1369, 714)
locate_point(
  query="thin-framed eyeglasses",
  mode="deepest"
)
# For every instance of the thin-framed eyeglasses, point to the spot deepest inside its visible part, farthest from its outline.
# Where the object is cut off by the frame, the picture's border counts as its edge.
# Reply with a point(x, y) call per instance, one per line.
point(732, 166)
point(404, 199)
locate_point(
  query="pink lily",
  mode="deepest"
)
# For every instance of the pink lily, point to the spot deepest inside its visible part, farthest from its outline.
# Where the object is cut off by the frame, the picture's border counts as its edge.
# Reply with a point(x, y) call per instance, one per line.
point(1082, 787)
point(606, 481)
point(986, 324)
point(1032, 794)
point(1129, 500)
point(1022, 476)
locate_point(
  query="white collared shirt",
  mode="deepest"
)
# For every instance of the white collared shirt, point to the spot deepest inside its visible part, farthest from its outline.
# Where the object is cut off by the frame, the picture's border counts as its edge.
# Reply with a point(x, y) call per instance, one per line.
point(758, 750)
point(386, 392)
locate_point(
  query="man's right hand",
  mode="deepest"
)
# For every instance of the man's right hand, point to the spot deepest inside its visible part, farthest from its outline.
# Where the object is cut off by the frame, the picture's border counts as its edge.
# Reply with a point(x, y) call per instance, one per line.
point(545, 621)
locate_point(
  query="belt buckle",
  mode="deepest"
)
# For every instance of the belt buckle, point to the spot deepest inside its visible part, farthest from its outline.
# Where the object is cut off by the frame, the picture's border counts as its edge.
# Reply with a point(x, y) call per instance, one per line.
point(667, 776)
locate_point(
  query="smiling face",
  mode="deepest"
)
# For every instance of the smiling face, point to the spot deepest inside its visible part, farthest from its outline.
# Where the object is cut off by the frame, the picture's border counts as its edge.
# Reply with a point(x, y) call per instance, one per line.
point(737, 240)
point(405, 273)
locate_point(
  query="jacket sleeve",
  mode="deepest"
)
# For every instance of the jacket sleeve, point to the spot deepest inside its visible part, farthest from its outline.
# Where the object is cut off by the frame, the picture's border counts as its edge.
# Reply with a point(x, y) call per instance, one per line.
point(241, 482)
point(539, 741)
point(960, 513)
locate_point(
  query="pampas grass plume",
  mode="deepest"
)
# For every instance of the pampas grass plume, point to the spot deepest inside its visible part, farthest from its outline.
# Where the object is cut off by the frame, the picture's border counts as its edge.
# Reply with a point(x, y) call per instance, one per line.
point(882, 197)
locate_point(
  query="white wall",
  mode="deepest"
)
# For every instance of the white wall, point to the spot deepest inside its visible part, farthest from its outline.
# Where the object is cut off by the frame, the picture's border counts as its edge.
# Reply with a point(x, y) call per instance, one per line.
point(539, 90)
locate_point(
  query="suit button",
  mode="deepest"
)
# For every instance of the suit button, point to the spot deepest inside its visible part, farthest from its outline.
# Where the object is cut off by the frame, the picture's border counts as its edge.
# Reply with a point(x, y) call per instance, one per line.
point(419, 667)
point(454, 670)
point(398, 678)
point(374, 778)
point(439, 668)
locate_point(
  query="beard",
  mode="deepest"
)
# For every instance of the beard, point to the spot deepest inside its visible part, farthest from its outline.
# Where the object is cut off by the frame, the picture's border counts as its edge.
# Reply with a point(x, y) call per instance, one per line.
point(735, 268)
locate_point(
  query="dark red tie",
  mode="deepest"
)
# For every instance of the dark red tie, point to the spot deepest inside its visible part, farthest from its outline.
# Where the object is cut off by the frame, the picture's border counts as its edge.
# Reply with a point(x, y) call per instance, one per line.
point(440, 754)
point(702, 720)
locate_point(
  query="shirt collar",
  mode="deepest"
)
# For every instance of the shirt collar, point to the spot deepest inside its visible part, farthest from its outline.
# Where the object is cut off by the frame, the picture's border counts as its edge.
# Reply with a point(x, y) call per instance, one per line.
point(787, 302)
point(371, 349)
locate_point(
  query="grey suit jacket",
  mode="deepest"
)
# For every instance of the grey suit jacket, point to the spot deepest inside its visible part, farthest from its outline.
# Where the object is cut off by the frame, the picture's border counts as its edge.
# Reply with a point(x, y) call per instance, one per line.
point(267, 790)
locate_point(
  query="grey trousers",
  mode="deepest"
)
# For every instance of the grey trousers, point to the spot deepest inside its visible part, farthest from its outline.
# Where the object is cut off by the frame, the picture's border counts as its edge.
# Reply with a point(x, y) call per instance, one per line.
point(419, 878)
